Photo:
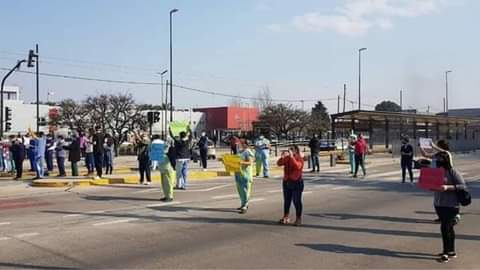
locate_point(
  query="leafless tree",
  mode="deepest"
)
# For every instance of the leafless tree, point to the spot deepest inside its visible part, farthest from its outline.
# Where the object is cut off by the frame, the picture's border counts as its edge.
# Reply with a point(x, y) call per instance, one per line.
point(284, 119)
point(72, 115)
point(263, 99)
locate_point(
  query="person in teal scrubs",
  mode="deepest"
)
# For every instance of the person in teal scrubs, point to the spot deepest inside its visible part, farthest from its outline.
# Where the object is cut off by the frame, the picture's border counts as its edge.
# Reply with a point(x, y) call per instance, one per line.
point(244, 178)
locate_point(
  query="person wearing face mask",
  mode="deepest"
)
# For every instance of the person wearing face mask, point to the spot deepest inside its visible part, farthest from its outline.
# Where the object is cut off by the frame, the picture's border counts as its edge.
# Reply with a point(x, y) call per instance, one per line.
point(203, 148)
point(18, 153)
point(182, 146)
point(74, 153)
point(262, 156)
point(60, 154)
point(142, 143)
point(244, 178)
point(406, 159)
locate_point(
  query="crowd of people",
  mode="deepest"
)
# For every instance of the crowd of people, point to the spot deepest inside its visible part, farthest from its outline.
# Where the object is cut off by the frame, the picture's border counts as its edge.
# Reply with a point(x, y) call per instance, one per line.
point(44, 150)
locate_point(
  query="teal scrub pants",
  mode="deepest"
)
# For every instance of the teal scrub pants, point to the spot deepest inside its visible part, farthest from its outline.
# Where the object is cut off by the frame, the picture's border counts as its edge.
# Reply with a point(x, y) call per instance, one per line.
point(244, 188)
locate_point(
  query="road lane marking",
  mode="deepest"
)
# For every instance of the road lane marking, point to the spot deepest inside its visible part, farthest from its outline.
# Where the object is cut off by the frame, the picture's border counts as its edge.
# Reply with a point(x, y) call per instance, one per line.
point(4, 238)
point(307, 192)
point(25, 235)
point(148, 190)
point(162, 204)
point(115, 222)
point(257, 200)
point(4, 223)
point(340, 188)
point(209, 189)
point(96, 212)
point(274, 191)
point(72, 215)
point(225, 196)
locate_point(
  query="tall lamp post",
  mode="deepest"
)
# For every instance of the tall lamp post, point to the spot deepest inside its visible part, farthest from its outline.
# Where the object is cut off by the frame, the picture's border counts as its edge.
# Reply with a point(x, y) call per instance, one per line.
point(162, 102)
point(360, 77)
point(171, 64)
point(446, 90)
point(17, 66)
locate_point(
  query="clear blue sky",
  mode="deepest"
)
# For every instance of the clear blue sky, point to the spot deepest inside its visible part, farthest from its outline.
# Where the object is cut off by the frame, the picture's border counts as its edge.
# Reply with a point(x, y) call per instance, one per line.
point(299, 49)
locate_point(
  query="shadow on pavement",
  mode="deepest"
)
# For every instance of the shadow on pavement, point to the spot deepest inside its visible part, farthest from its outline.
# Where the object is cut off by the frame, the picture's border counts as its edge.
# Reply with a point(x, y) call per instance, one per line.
point(342, 216)
point(244, 220)
point(31, 266)
point(342, 249)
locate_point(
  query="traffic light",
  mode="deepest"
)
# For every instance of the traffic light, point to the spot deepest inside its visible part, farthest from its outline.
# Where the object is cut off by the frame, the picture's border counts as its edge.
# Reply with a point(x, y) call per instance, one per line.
point(8, 114)
point(31, 55)
point(153, 117)
point(42, 121)
point(8, 118)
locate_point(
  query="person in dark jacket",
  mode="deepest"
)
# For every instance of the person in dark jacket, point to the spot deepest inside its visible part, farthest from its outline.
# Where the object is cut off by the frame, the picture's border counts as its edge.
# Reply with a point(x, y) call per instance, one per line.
point(182, 146)
point(142, 143)
point(74, 154)
point(203, 149)
point(18, 154)
point(49, 149)
point(406, 160)
point(98, 150)
point(314, 145)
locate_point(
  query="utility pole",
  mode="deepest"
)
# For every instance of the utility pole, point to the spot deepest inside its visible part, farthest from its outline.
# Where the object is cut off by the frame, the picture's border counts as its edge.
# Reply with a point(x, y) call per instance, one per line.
point(344, 95)
point(38, 87)
point(360, 77)
point(446, 90)
point(171, 65)
point(338, 104)
point(401, 100)
point(444, 106)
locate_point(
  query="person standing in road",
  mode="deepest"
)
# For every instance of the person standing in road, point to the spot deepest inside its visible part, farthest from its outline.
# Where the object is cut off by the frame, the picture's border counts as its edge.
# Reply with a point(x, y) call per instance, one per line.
point(215, 140)
point(159, 158)
point(89, 155)
point(292, 162)
point(406, 160)
point(182, 155)
point(60, 154)
point(142, 143)
point(234, 143)
point(98, 150)
point(314, 145)
point(40, 143)
point(351, 152)
point(262, 153)
point(74, 153)
point(445, 201)
point(49, 154)
point(18, 153)
point(244, 178)
point(109, 153)
point(203, 149)
point(360, 152)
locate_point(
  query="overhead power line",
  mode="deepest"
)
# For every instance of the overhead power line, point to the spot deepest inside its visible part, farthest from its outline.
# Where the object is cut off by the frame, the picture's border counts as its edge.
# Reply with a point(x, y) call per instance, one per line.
point(209, 92)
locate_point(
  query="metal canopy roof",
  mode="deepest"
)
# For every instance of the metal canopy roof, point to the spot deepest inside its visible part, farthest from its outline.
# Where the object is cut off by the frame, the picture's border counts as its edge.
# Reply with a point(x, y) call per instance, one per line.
point(382, 116)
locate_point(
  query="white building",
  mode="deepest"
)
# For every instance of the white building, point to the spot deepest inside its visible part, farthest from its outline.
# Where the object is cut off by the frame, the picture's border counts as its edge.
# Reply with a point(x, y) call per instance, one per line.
point(24, 115)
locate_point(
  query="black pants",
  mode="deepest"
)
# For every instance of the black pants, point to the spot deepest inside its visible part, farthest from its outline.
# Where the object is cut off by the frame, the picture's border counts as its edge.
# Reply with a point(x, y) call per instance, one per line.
point(292, 191)
point(19, 167)
point(447, 221)
point(99, 164)
point(144, 168)
point(204, 157)
point(359, 162)
point(315, 161)
point(406, 164)
point(61, 166)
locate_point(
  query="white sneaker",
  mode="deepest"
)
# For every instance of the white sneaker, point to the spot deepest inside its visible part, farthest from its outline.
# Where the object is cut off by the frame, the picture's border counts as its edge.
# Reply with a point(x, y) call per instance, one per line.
point(97, 178)
point(147, 183)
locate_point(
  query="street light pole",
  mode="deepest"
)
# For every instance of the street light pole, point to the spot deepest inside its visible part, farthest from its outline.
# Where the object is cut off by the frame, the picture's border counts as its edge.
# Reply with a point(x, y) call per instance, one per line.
point(446, 90)
point(38, 88)
point(171, 65)
point(164, 115)
point(360, 77)
point(17, 66)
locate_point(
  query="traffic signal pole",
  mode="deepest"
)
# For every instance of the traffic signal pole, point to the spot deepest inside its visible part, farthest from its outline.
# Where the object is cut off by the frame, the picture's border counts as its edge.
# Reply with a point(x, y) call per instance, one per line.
point(17, 66)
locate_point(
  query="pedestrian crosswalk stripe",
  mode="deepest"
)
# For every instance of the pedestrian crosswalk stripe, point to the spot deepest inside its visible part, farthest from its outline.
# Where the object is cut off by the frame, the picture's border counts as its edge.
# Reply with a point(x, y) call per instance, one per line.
point(225, 196)
point(115, 222)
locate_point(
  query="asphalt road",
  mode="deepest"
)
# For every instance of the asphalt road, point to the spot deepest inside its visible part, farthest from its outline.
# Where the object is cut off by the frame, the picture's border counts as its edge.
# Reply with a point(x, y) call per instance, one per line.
point(368, 223)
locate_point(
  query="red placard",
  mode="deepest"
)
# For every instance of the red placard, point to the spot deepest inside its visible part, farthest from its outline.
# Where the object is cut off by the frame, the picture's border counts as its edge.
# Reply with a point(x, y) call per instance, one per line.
point(431, 178)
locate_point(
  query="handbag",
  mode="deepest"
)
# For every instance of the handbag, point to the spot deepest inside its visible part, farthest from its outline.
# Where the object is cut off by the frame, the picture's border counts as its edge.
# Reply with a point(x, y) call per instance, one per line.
point(463, 196)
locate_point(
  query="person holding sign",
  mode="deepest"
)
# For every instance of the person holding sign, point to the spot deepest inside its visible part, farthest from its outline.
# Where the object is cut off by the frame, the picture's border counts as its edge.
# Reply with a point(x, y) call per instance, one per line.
point(182, 146)
point(158, 155)
point(445, 196)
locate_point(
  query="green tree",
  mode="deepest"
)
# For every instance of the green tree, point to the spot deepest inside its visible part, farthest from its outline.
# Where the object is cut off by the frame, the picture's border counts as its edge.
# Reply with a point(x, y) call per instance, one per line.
point(283, 119)
point(319, 119)
point(388, 106)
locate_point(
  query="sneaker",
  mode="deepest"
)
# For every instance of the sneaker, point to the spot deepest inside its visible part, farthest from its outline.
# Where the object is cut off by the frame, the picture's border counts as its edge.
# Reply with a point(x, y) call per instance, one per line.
point(145, 183)
point(444, 258)
point(243, 210)
point(169, 200)
point(354, 176)
point(149, 183)
point(457, 219)
point(298, 222)
point(284, 221)
point(96, 178)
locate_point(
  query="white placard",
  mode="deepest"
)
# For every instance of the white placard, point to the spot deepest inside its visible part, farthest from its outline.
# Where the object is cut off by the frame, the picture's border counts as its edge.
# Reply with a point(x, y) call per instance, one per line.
point(426, 143)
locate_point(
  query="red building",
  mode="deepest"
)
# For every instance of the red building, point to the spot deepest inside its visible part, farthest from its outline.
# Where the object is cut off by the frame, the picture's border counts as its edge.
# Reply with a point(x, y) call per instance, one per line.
point(229, 118)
